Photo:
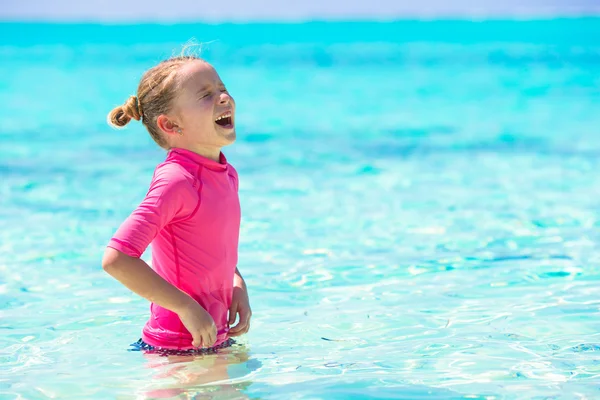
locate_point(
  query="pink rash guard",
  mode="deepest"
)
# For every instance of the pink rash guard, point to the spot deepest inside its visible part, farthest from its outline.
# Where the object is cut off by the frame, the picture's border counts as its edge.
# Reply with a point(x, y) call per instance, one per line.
point(191, 215)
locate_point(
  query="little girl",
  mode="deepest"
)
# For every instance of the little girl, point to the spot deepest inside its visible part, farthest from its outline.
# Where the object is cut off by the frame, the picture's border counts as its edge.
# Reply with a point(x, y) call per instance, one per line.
point(191, 212)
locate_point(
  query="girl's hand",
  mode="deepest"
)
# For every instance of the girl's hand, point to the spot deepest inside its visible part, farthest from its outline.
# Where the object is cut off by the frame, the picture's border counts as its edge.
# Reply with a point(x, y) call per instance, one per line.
point(200, 324)
point(240, 305)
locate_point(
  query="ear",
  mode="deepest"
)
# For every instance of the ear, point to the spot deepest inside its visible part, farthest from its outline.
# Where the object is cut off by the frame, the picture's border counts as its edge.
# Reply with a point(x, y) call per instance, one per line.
point(167, 125)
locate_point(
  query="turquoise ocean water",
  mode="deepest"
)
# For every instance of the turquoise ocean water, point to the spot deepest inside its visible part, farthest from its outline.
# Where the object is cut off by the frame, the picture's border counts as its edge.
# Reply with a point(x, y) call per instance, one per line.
point(420, 210)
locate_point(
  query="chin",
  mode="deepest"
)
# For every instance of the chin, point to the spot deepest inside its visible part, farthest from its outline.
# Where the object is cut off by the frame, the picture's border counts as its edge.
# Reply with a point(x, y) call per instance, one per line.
point(229, 137)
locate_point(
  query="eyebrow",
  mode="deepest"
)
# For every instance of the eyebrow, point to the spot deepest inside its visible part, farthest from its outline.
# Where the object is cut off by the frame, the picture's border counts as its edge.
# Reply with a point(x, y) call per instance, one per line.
point(203, 89)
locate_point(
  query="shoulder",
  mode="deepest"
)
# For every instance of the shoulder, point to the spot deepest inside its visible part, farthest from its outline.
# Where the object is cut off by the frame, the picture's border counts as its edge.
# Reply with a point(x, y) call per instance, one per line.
point(172, 179)
point(232, 172)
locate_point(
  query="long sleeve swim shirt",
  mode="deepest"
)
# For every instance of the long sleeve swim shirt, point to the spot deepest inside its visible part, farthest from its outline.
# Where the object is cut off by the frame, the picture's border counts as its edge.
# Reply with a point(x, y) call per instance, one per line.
point(191, 217)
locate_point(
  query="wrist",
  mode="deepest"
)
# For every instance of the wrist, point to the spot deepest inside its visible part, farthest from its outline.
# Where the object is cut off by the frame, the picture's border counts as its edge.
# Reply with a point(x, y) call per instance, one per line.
point(182, 303)
point(238, 281)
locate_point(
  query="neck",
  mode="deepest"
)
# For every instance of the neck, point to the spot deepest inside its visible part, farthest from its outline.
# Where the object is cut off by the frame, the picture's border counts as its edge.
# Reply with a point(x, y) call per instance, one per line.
point(212, 153)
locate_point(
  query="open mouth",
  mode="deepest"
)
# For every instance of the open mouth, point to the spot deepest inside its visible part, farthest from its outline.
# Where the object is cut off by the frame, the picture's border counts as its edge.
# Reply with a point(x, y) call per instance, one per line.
point(225, 120)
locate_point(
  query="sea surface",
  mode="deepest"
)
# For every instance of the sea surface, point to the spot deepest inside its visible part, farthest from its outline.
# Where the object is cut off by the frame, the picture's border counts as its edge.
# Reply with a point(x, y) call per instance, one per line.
point(420, 210)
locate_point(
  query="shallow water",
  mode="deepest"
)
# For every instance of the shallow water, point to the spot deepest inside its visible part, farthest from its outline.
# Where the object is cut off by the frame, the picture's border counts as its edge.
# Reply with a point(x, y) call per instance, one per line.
point(419, 210)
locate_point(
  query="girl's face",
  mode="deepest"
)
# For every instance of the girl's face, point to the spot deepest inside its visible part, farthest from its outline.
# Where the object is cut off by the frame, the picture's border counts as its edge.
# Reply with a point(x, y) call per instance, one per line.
point(203, 110)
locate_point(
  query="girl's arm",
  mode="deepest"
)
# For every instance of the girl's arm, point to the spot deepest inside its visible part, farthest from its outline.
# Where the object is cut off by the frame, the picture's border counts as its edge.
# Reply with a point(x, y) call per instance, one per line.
point(169, 197)
point(240, 306)
point(141, 279)
point(135, 274)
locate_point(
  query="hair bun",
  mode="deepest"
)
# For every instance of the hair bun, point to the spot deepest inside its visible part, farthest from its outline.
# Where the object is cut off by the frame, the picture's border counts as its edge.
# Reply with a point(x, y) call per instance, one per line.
point(121, 115)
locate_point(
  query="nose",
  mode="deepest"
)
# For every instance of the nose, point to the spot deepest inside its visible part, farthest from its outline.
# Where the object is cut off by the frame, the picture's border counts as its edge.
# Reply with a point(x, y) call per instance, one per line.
point(225, 98)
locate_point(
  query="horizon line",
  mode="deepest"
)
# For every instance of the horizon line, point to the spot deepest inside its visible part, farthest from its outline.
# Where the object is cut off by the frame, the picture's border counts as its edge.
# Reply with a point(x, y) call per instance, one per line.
point(475, 17)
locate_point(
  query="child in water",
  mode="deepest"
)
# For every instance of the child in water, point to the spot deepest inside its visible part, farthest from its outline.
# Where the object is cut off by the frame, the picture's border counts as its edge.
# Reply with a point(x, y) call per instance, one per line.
point(190, 214)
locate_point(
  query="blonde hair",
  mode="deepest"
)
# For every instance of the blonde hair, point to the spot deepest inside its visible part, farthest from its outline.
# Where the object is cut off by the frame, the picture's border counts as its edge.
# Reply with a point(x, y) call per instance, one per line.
point(155, 94)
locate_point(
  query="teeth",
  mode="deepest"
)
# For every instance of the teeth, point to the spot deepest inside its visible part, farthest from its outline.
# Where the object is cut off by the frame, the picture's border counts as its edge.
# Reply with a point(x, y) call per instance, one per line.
point(226, 115)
